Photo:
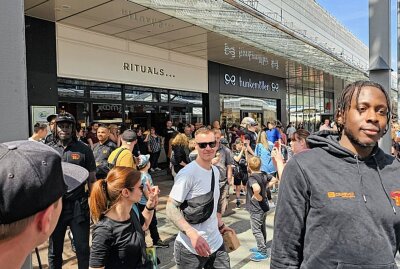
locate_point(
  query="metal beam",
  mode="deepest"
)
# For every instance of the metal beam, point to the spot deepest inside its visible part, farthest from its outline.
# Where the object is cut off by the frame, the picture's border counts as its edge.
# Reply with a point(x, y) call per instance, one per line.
point(379, 52)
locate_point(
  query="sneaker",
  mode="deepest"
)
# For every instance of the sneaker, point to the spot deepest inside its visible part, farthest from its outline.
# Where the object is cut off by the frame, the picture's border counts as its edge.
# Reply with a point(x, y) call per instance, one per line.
point(160, 244)
point(151, 170)
point(258, 256)
point(237, 204)
point(242, 193)
point(271, 205)
point(158, 169)
point(72, 241)
point(254, 250)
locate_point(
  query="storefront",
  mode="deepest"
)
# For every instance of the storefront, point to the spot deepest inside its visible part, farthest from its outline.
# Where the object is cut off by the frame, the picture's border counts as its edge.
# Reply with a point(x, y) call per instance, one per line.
point(237, 93)
point(110, 80)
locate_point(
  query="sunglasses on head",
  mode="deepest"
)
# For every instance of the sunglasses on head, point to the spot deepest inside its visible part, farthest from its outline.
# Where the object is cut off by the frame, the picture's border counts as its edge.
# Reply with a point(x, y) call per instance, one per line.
point(204, 145)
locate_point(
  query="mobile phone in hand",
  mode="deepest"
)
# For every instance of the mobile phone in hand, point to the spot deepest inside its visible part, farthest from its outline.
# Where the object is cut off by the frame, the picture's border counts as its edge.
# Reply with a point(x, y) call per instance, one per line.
point(276, 144)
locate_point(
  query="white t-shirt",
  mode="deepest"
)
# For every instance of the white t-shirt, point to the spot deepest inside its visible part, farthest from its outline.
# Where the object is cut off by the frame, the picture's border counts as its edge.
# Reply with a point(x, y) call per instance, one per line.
point(193, 181)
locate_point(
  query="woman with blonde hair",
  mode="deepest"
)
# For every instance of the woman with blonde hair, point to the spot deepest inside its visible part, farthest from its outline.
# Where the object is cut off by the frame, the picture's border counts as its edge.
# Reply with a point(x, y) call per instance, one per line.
point(180, 152)
point(263, 151)
point(118, 237)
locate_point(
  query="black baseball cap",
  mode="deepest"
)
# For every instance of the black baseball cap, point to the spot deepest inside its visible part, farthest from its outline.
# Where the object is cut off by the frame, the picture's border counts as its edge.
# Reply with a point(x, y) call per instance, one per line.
point(51, 117)
point(32, 177)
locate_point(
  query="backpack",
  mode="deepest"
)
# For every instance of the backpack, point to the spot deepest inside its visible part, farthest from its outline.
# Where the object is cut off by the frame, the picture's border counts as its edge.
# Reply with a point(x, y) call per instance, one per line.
point(112, 165)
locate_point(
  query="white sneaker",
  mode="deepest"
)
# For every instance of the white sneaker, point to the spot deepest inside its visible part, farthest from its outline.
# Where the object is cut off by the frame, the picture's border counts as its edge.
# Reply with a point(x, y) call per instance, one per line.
point(151, 170)
point(158, 169)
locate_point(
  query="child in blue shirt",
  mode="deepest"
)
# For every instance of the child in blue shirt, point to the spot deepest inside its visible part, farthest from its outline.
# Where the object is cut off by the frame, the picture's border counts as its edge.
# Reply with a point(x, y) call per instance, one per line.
point(144, 166)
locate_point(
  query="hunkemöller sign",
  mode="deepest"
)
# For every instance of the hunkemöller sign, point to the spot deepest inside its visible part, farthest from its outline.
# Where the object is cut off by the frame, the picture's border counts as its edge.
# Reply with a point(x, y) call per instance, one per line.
point(250, 84)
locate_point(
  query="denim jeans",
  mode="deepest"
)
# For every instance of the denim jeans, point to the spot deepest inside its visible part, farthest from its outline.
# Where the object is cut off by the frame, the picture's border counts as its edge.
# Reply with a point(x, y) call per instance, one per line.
point(185, 259)
point(259, 229)
point(74, 214)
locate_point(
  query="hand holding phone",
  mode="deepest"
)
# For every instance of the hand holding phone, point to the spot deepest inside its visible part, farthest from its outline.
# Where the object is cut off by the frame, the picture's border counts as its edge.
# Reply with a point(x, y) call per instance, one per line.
point(276, 144)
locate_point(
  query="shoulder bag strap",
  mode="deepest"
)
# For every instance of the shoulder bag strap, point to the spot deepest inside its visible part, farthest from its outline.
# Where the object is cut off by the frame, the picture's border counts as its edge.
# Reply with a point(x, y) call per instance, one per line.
point(116, 156)
point(212, 180)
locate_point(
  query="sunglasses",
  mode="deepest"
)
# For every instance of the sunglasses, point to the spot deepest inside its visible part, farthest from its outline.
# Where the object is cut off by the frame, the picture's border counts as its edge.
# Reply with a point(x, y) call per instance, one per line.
point(204, 145)
point(140, 188)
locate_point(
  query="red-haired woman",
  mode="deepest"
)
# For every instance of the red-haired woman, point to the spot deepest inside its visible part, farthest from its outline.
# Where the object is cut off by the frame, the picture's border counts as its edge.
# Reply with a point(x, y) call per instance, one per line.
point(118, 237)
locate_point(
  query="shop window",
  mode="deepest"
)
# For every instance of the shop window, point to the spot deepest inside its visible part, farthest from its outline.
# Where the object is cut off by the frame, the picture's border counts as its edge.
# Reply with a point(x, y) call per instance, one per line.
point(234, 108)
point(99, 90)
point(74, 91)
point(180, 97)
point(143, 94)
point(107, 113)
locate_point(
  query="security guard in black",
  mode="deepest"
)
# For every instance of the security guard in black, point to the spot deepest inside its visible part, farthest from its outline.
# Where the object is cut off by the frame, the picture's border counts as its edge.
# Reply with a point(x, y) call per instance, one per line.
point(75, 211)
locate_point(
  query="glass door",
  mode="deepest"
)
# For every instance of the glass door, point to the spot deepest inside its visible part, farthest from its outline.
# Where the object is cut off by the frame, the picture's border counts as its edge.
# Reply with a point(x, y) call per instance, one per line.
point(256, 115)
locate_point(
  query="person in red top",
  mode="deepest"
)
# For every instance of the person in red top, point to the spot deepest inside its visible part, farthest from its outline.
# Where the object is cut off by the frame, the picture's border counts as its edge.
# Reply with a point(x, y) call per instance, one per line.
point(92, 135)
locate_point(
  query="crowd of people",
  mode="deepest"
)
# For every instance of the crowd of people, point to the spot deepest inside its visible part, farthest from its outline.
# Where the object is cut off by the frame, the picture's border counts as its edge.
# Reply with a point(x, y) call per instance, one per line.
point(337, 190)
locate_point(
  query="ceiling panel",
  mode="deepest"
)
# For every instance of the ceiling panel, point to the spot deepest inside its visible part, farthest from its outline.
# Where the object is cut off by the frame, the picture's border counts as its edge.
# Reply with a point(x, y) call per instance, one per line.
point(192, 48)
point(107, 12)
point(131, 35)
point(185, 41)
point(28, 4)
point(173, 35)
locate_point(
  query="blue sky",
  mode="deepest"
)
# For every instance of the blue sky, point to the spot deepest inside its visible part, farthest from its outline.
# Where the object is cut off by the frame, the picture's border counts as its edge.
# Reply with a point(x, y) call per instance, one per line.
point(353, 14)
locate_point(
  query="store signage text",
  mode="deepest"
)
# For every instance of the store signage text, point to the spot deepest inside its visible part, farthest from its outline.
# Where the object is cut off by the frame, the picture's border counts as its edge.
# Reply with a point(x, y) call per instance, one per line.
point(250, 84)
point(239, 53)
point(150, 70)
point(109, 107)
point(154, 22)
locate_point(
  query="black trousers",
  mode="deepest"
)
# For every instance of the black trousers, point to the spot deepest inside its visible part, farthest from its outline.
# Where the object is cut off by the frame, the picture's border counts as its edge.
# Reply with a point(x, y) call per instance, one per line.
point(74, 214)
point(154, 159)
point(155, 236)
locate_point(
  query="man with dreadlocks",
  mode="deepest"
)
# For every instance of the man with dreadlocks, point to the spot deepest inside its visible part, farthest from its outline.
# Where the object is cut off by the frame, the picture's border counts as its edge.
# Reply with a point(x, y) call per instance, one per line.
point(75, 211)
point(339, 203)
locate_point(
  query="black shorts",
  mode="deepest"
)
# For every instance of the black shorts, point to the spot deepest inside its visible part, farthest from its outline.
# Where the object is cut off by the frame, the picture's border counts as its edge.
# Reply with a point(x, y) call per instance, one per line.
point(240, 181)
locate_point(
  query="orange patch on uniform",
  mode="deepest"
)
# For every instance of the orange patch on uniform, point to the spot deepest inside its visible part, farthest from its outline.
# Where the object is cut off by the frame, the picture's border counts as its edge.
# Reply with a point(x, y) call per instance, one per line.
point(75, 156)
point(396, 197)
point(344, 195)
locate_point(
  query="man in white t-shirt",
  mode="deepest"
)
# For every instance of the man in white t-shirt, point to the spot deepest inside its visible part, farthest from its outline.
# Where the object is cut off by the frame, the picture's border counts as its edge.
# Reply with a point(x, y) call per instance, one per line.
point(198, 245)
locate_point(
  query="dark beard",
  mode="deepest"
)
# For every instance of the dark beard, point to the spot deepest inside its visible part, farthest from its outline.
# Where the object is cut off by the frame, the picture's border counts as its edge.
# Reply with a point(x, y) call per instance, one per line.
point(355, 140)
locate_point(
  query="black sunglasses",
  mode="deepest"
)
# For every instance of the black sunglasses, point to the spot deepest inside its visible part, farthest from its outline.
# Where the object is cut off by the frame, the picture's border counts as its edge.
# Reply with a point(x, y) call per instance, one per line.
point(204, 145)
point(140, 188)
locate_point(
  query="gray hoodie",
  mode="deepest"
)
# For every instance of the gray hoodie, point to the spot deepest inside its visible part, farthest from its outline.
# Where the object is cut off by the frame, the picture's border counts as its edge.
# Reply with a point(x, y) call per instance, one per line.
point(336, 210)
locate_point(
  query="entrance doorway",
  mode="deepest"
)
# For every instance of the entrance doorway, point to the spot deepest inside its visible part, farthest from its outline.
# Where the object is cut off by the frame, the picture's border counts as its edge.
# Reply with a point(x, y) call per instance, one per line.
point(256, 115)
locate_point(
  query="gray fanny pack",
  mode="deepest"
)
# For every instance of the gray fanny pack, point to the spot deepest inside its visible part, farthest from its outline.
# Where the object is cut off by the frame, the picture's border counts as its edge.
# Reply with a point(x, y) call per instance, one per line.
point(200, 208)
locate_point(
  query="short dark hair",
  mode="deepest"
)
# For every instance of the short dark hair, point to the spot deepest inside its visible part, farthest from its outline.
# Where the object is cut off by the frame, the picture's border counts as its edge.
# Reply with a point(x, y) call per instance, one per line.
point(102, 125)
point(39, 126)
point(344, 100)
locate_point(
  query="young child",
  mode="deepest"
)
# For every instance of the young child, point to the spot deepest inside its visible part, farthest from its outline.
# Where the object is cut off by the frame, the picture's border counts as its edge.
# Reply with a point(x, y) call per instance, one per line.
point(143, 166)
point(240, 170)
point(257, 205)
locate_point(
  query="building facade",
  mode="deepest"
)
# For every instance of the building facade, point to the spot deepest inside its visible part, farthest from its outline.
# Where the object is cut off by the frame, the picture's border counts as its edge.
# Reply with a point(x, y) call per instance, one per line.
point(141, 63)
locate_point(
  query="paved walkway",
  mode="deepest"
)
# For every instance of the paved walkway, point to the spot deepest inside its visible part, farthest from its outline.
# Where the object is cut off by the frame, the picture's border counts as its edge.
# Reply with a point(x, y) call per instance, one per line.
point(238, 219)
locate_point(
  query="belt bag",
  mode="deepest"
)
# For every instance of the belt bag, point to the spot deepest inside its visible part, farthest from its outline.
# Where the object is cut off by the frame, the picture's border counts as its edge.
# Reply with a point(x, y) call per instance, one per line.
point(200, 208)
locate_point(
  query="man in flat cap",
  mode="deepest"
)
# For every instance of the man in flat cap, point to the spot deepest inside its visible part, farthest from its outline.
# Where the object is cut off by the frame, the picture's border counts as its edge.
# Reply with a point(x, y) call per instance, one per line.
point(31, 186)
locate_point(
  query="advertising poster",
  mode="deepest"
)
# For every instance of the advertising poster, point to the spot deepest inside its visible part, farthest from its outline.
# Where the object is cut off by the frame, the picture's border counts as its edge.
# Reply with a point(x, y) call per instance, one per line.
point(40, 113)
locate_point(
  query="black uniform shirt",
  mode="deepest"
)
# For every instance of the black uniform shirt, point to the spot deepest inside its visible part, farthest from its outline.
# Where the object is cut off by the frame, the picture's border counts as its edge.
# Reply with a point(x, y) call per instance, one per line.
point(101, 153)
point(76, 153)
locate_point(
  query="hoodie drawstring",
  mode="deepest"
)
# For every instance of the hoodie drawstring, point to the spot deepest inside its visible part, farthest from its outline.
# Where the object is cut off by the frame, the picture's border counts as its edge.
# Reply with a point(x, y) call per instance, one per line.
point(383, 186)
point(361, 179)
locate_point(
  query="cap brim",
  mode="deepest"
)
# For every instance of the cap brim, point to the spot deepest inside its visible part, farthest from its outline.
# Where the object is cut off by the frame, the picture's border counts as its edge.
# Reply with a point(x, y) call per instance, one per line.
point(74, 175)
point(49, 117)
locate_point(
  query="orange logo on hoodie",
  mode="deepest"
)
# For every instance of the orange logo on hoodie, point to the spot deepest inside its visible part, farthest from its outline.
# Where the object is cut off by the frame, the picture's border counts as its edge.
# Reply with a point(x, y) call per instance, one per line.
point(396, 197)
